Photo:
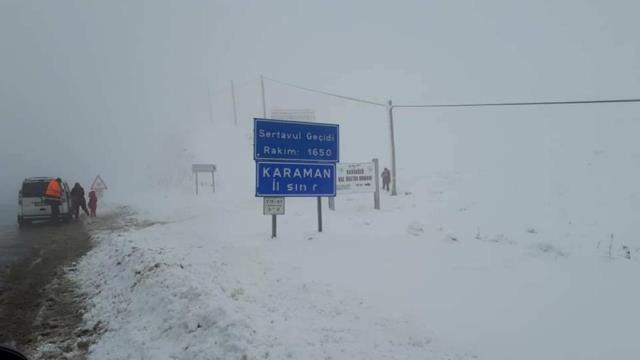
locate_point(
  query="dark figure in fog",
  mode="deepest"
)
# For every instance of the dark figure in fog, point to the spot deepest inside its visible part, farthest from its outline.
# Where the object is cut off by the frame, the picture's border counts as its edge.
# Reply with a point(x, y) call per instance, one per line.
point(78, 201)
point(386, 179)
point(53, 197)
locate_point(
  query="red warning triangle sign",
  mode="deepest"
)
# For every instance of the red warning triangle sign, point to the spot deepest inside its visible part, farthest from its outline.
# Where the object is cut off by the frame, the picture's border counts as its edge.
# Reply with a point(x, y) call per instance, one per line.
point(98, 184)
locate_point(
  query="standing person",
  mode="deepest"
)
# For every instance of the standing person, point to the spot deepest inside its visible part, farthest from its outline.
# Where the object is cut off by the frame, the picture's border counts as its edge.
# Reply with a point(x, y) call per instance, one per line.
point(53, 197)
point(93, 202)
point(386, 179)
point(78, 201)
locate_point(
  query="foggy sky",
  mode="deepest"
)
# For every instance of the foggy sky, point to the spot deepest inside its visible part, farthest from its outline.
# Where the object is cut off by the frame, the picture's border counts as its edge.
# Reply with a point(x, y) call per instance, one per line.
point(101, 87)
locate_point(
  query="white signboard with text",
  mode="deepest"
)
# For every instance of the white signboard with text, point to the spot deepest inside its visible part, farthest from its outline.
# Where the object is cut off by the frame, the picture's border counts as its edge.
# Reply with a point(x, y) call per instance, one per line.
point(355, 178)
point(273, 206)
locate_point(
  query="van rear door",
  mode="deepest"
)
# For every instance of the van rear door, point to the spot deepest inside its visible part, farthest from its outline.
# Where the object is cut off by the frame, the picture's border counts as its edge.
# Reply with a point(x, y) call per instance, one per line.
point(33, 199)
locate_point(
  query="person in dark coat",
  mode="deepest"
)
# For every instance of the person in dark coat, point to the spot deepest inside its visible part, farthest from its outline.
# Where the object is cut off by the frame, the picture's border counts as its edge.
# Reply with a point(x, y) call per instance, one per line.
point(78, 201)
point(386, 179)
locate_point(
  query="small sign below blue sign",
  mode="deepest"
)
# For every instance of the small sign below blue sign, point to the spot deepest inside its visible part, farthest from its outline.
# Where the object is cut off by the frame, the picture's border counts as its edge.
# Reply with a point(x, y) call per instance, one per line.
point(282, 140)
point(295, 179)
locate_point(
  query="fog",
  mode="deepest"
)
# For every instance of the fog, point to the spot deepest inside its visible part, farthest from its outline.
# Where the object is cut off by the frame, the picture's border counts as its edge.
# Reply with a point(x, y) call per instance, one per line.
point(135, 90)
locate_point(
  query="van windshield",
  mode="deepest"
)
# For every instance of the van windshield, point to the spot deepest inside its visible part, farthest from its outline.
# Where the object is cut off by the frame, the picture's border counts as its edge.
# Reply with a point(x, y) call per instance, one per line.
point(34, 189)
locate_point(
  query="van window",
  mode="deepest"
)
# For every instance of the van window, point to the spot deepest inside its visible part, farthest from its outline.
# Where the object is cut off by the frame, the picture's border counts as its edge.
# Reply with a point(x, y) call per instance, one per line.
point(34, 189)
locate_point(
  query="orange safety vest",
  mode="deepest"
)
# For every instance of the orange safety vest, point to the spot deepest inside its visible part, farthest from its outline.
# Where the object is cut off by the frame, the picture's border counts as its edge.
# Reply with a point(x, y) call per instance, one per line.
point(53, 190)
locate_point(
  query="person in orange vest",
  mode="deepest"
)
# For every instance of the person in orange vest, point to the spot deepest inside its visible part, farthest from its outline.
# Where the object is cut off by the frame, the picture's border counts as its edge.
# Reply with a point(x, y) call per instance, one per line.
point(52, 197)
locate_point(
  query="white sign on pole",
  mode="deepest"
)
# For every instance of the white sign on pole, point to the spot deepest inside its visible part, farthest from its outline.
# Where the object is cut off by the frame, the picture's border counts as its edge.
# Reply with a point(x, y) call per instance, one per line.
point(294, 114)
point(355, 178)
point(273, 206)
point(204, 168)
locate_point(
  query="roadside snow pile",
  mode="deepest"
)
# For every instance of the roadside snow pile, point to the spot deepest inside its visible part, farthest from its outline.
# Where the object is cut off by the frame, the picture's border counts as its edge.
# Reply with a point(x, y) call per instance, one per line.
point(444, 272)
point(208, 287)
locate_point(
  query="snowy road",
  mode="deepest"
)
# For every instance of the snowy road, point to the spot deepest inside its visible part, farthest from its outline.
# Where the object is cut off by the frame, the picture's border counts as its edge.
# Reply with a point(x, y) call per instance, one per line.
point(37, 303)
point(11, 246)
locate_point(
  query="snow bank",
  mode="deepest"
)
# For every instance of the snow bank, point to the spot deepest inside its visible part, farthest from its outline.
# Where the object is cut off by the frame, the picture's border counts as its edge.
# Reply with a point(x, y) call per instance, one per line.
point(208, 285)
point(429, 276)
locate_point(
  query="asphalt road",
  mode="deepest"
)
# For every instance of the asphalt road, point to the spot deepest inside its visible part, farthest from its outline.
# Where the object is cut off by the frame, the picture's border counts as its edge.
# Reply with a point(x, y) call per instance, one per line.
point(36, 302)
point(13, 247)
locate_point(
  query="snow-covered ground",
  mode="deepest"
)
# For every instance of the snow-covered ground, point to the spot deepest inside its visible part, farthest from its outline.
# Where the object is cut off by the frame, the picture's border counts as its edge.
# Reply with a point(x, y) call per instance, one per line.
point(508, 240)
point(436, 274)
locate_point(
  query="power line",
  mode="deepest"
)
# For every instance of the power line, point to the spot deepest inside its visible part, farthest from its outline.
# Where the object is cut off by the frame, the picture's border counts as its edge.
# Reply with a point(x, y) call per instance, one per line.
point(350, 98)
point(574, 102)
point(520, 103)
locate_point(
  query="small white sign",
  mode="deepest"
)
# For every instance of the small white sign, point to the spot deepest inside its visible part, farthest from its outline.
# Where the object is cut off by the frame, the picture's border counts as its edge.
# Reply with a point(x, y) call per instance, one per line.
point(273, 206)
point(294, 114)
point(355, 178)
point(203, 168)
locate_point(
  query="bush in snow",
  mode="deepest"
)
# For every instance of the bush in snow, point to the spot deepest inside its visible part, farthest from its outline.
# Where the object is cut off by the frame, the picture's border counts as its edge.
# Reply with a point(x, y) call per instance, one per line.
point(546, 248)
point(453, 238)
point(415, 228)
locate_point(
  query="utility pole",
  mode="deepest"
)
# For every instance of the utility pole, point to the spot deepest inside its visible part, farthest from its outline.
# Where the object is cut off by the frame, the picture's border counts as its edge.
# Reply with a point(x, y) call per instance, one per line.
point(394, 190)
point(233, 101)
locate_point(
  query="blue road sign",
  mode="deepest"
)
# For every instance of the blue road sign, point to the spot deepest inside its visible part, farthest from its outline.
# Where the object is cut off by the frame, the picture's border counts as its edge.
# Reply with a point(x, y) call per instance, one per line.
point(295, 179)
point(281, 140)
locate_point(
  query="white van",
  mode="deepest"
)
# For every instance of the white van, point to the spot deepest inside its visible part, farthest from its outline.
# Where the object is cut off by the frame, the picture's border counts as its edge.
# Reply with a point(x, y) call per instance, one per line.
point(31, 204)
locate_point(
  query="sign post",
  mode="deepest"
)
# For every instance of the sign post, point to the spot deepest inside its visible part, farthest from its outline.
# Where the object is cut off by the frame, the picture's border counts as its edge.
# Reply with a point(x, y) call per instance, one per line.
point(204, 168)
point(376, 193)
point(319, 214)
point(295, 159)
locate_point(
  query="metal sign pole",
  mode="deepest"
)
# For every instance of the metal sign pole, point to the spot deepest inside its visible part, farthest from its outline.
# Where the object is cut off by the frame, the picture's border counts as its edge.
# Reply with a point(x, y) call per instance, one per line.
point(393, 151)
point(196, 183)
point(319, 214)
point(264, 102)
point(274, 219)
point(376, 193)
point(213, 182)
point(274, 226)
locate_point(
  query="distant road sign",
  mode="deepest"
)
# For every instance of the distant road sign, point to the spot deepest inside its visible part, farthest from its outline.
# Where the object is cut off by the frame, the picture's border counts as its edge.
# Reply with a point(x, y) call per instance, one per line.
point(273, 206)
point(203, 168)
point(295, 179)
point(355, 177)
point(293, 114)
point(280, 140)
point(98, 184)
